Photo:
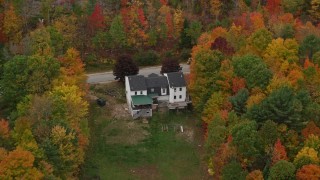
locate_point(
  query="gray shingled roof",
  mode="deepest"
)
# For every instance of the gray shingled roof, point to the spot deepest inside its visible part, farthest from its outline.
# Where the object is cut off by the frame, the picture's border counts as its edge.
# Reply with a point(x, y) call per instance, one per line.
point(137, 83)
point(176, 79)
point(153, 81)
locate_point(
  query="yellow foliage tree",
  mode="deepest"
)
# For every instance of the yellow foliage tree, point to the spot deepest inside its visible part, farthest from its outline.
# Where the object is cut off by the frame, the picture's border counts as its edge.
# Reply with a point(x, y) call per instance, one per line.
point(178, 22)
point(280, 50)
point(215, 8)
point(309, 153)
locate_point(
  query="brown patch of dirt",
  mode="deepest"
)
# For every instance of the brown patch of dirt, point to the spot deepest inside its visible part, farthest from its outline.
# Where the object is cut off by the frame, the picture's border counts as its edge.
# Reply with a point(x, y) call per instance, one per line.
point(146, 172)
point(187, 134)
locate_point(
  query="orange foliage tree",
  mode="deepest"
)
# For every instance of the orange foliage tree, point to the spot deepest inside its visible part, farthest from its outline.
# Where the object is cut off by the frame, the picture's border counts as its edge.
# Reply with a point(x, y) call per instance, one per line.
point(308, 172)
point(18, 164)
point(4, 128)
point(311, 128)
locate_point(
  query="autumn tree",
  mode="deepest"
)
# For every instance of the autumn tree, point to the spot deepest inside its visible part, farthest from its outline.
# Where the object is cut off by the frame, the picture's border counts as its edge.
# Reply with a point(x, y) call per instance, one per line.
point(279, 51)
point(19, 164)
point(279, 153)
point(72, 68)
point(273, 6)
point(124, 66)
point(178, 22)
point(96, 20)
point(203, 73)
point(67, 26)
point(170, 65)
point(215, 8)
point(307, 172)
point(255, 175)
point(12, 24)
point(41, 42)
point(222, 45)
point(311, 128)
point(306, 156)
point(260, 39)
point(312, 141)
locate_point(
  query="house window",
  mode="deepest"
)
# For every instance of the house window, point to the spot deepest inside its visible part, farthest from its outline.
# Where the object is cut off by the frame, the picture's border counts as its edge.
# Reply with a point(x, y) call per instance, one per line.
point(135, 93)
point(175, 97)
point(180, 89)
point(164, 91)
point(152, 90)
point(175, 89)
point(141, 92)
point(180, 97)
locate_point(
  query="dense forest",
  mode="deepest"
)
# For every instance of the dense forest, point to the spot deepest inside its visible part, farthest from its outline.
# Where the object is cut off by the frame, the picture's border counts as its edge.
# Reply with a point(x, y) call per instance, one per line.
point(254, 79)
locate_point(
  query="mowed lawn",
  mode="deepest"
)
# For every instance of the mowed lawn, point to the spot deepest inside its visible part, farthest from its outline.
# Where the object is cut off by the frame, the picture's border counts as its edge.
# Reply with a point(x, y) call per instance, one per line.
point(160, 155)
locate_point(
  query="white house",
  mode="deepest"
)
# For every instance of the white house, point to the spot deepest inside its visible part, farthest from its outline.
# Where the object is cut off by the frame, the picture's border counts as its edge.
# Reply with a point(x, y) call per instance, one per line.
point(177, 90)
point(144, 92)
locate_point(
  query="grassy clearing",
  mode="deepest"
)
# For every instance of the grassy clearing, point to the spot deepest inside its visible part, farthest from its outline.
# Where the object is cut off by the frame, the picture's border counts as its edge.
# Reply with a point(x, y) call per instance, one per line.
point(161, 155)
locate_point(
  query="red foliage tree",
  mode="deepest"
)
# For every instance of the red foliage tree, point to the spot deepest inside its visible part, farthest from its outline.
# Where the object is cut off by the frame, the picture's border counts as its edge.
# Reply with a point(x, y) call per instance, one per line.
point(124, 3)
point(164, 2)
point(170, 65)
point(279, 152)
point(222, 45)
point(273, 6)
point(96, 20)
point(237, 84)
point(311, 128)
point(308, 172)
point(125, 17)
point(142, 18)
point(2, 35)
point(169, 23)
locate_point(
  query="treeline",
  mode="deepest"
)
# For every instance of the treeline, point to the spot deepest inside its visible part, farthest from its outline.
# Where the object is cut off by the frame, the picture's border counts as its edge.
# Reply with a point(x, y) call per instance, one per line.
point(43, 110)
point(256, 85)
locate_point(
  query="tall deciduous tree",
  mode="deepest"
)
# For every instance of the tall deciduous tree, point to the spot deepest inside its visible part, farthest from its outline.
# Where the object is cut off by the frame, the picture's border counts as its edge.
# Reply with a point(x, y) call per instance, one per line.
point(279, 152)
point(12, 24)
point(124, 66)
point(215, 8)
point(96, 20)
